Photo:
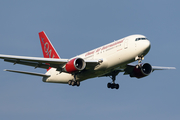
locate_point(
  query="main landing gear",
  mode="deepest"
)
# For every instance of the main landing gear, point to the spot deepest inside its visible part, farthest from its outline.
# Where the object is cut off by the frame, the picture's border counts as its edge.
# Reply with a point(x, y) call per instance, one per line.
point(74, 82)
point(113, 84)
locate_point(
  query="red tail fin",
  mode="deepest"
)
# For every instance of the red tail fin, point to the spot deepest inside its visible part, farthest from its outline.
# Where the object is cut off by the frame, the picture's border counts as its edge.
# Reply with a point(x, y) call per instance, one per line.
point(47, 48)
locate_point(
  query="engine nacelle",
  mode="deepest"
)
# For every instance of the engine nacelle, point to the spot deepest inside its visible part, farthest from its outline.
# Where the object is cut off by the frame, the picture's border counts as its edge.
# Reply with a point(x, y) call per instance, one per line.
point(76, 64)
point(141, 71)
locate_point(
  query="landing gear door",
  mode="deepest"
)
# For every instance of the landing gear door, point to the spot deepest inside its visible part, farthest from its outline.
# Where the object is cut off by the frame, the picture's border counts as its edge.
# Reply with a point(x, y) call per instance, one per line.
point(125, 43)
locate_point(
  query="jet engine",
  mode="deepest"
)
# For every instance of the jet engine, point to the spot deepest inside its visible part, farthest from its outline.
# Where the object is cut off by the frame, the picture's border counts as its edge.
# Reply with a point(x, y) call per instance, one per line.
point(74, 65)
point(141, 70)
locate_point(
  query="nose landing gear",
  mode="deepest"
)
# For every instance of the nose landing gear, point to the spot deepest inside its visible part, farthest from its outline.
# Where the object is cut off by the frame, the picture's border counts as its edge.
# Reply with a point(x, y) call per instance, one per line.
point(139, 59)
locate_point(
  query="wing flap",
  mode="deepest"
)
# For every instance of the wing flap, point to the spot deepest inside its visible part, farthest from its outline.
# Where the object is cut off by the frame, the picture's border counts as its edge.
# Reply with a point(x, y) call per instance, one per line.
point(29, 73)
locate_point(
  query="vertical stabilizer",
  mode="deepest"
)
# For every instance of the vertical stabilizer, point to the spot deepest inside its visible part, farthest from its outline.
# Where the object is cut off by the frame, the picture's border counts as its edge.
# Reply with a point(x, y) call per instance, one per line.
point(47, 48)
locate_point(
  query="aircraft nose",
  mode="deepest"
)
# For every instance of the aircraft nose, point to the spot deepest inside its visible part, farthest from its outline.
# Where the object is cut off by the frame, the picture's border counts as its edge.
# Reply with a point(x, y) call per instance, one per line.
point(147, 45)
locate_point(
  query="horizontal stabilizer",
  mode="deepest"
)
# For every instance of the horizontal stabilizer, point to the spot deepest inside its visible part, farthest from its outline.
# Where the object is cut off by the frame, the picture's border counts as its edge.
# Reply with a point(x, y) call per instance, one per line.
point(29, 73)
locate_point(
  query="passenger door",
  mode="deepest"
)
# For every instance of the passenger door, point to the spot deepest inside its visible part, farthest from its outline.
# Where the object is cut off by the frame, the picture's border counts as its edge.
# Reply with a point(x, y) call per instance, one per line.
point(125, 43)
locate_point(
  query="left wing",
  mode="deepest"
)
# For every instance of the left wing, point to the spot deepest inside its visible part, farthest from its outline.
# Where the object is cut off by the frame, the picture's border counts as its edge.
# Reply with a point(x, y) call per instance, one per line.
point(35, 61)
point(39, 62)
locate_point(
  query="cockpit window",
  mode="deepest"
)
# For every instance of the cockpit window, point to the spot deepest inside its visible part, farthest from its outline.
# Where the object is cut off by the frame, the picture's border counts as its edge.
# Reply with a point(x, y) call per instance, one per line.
point(137, 39)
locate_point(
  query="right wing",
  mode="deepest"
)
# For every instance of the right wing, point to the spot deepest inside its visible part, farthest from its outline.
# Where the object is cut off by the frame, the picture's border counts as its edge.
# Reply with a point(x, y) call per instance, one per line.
point(130, 67)
point(162, 68)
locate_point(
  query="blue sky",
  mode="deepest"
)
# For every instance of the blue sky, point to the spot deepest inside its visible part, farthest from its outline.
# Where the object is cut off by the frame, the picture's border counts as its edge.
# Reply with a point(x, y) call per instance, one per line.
point(77, 26)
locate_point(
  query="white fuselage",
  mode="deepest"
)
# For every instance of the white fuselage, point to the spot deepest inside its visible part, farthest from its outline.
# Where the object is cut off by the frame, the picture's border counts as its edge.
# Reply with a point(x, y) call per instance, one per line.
point(115, 55)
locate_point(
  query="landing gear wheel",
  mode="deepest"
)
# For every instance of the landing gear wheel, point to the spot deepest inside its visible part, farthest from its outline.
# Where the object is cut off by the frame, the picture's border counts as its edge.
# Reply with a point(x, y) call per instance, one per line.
point(109, 85)
point(113, 85)
point(117, 86)
point(78, 83)
point(73, 83)
point(70, 82)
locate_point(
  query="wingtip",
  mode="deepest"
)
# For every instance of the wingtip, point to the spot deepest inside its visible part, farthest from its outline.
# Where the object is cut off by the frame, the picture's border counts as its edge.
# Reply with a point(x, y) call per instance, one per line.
point(172, 68)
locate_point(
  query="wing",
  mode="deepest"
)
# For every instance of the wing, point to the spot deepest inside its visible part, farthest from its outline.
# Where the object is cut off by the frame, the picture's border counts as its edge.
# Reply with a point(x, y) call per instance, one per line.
point(128, 69)
point(34, 61)
point(162, 68)
point(39, 62)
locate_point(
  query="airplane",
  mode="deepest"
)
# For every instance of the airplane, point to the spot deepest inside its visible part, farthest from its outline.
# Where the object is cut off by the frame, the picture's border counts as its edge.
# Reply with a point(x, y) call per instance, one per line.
point(105, 61)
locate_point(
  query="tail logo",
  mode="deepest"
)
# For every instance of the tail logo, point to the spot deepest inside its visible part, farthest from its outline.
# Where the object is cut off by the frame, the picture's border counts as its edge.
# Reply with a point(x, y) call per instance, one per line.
point(46, 49)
